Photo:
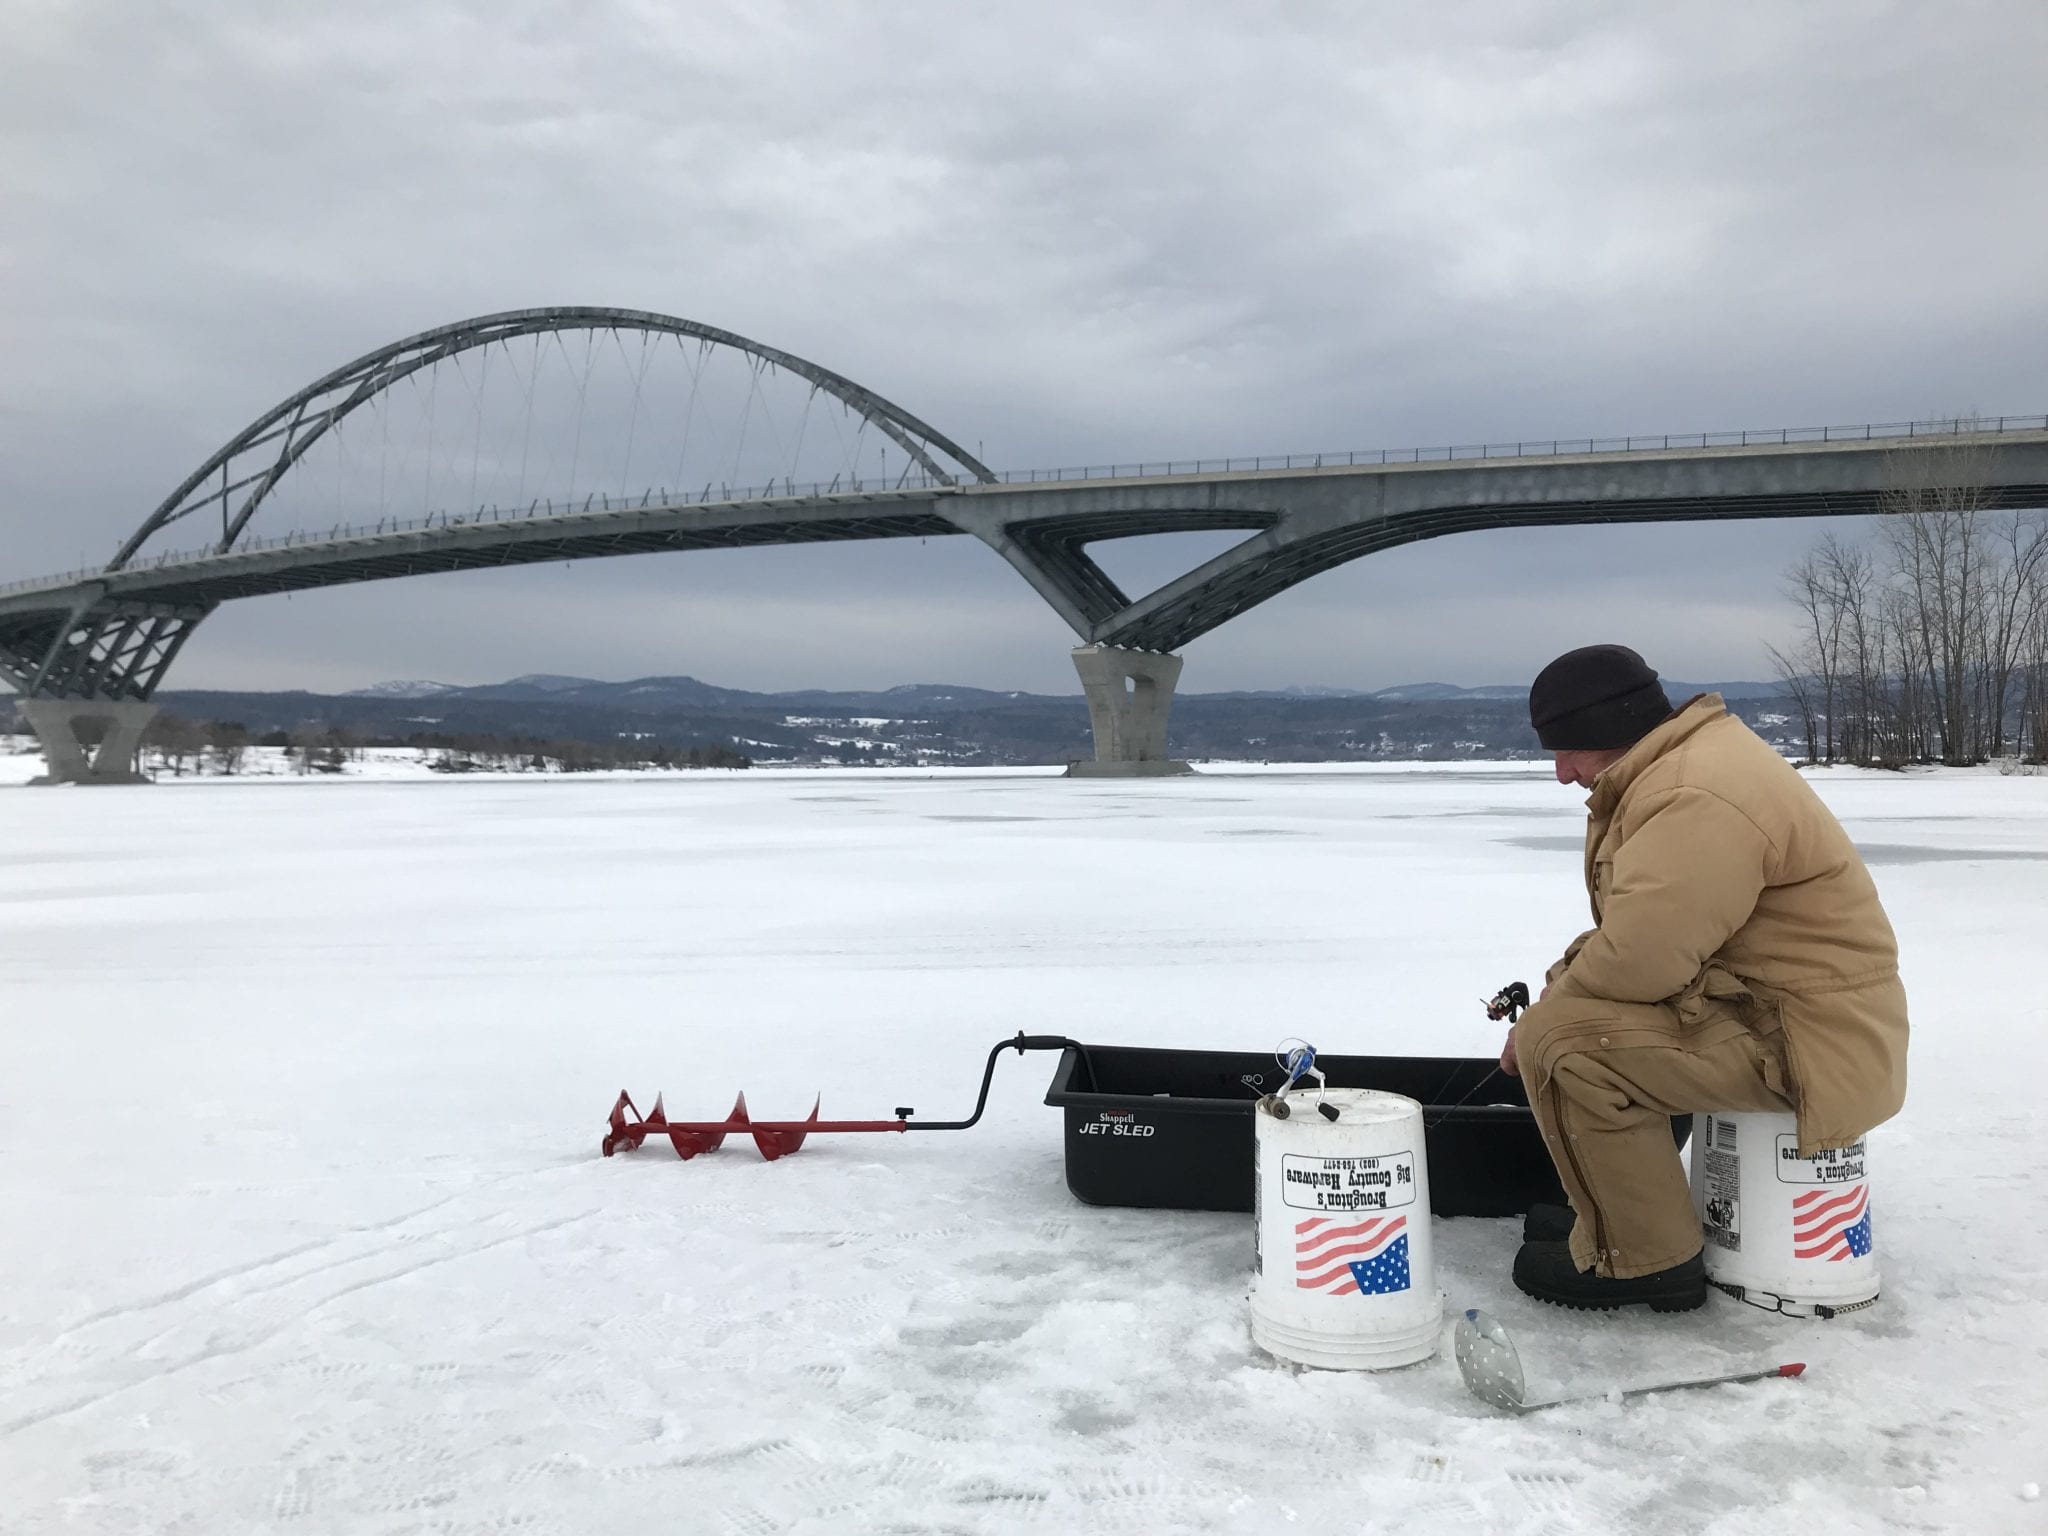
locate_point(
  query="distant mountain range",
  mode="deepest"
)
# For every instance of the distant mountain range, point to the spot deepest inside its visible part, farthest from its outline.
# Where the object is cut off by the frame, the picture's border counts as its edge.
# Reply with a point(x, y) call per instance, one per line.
point(648, 693)
point(929, 723)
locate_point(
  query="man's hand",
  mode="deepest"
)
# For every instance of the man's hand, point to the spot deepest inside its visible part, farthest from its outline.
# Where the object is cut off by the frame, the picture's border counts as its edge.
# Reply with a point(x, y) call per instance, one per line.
point(1508, 1064)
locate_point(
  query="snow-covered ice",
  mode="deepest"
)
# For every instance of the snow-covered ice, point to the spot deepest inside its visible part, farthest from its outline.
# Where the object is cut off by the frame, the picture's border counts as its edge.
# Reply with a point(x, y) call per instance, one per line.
point(305, 1228)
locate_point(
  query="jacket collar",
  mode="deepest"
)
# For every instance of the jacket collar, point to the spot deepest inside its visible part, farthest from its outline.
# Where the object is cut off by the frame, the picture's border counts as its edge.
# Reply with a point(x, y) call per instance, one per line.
point(1677, 727)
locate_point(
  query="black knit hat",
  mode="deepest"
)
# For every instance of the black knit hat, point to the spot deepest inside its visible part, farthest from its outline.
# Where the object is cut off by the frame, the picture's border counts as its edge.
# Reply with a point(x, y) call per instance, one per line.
point(1596, 698)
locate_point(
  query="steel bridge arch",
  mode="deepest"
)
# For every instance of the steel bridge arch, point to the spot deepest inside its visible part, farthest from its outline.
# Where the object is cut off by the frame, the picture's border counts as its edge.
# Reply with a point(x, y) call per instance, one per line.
point(303, 419)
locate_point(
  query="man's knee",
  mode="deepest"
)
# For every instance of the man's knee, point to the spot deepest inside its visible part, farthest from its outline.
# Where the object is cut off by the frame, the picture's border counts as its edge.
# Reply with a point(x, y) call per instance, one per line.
point(1556, 1026)
point(1563, 1025)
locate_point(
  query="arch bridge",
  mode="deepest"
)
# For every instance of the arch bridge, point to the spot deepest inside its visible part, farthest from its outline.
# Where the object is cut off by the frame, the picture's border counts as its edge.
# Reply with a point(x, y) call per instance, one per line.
point(93, 647)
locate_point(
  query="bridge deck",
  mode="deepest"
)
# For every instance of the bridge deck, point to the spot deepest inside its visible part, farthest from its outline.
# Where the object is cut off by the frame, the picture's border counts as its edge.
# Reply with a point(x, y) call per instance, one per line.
point(1300, 518)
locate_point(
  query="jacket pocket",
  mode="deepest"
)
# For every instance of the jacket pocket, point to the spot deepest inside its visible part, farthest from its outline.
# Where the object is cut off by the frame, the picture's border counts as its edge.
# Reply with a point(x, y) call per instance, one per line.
point(1716, 993)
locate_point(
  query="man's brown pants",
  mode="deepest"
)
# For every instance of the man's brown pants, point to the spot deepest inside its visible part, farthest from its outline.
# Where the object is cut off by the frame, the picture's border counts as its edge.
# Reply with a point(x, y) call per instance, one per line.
point(1604, 1079)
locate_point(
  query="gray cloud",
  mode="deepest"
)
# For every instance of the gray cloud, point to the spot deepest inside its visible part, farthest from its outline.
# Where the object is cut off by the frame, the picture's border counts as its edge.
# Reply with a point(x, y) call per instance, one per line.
point(1068, 233)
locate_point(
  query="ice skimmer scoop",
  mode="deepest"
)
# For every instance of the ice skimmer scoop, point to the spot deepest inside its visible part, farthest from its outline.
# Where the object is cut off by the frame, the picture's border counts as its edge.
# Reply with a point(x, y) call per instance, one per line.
point(1492, 1368)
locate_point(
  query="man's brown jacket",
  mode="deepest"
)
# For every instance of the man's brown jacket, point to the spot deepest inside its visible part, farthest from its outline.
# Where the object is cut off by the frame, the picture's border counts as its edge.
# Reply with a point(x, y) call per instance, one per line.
point(1719, 879)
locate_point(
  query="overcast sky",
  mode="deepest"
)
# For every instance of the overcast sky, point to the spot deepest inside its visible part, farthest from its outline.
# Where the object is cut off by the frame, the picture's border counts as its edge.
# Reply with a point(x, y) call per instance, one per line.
point(1065, 232)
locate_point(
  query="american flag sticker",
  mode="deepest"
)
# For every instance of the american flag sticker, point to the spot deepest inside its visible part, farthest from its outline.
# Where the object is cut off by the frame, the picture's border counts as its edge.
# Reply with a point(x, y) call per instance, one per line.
point(1339, 1256)
point(1831, 1223)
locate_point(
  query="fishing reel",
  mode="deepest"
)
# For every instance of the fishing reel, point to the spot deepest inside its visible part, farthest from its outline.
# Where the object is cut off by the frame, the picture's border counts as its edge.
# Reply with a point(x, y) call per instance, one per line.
point(1508, 1002)
point(1297, 1060)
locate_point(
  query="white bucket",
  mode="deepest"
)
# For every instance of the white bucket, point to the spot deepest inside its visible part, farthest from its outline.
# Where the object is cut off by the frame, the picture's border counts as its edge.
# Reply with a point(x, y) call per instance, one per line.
point(1346, 1272)
point(1787, 1233)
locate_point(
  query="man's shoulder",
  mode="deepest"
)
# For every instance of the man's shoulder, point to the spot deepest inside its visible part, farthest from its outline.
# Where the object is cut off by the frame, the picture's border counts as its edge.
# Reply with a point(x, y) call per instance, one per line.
point(1724, 758)
point(1728, 747)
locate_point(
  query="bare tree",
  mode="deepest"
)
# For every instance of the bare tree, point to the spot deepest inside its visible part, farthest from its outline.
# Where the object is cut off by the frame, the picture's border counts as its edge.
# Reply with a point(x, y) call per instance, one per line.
point(1812, 670)
point(2020, 559)
point(1852, 582)
point(228, 740)
point(1927, 649)
point(305, 739)
point(2033, 652)
point(1938, 505)
point(1795, 671)
point(1835, 670)
point(1903, 729)
point(174, 739)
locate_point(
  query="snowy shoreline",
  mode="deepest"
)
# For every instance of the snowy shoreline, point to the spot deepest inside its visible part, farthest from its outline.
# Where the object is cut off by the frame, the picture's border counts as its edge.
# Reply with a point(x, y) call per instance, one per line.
point(21, 761)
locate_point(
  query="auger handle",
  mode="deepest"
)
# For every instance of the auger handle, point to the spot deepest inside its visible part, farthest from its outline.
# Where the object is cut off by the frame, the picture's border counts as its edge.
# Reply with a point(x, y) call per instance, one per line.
point(1020, 1042)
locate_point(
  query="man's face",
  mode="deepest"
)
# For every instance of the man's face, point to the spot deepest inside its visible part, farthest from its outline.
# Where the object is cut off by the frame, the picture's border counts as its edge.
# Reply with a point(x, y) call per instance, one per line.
point(1583, 767)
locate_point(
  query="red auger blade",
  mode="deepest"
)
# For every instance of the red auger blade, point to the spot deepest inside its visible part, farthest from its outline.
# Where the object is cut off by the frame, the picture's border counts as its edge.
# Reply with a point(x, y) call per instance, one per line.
point(622, 1134)
point(775, 1138)
point(782, 1140)
point(690, 1140)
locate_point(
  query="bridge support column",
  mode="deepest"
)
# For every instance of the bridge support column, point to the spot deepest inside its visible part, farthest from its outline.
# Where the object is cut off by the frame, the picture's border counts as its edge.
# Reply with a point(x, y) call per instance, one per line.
point(1129, 694)
point(70, 760)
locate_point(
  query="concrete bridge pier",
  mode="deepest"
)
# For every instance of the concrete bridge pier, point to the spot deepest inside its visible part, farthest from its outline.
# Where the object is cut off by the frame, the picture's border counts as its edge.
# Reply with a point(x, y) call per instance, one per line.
point(71, 761)
point(1129, 694)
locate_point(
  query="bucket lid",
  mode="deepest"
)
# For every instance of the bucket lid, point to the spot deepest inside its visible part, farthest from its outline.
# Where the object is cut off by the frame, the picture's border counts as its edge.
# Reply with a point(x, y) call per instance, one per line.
point(1369, 1106)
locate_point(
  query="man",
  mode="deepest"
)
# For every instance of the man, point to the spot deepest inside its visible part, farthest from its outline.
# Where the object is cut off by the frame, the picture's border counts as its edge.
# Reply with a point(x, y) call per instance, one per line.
point(1739, 960)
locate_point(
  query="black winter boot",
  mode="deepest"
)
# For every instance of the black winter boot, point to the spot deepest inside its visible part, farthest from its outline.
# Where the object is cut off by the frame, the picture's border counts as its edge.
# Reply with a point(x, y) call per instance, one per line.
point(1546, 1271)
point(1546, 1223)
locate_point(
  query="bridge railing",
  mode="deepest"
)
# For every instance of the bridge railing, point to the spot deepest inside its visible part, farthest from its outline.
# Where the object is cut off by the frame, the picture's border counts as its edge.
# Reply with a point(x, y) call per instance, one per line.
point(663, 496)
point(537, 508)
point(1754, 437)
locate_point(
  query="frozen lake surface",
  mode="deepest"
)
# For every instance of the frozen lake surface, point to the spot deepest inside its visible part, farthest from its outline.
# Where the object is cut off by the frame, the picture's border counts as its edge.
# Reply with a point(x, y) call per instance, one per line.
point(306, 1231)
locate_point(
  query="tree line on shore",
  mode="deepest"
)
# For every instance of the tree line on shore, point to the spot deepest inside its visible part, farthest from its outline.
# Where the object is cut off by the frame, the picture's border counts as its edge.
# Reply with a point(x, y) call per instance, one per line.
point(1929, 642)
point(174, 744)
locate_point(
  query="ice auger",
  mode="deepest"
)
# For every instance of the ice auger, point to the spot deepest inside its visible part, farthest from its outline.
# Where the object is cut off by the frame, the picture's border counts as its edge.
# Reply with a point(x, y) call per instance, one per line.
point(779, 1138)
